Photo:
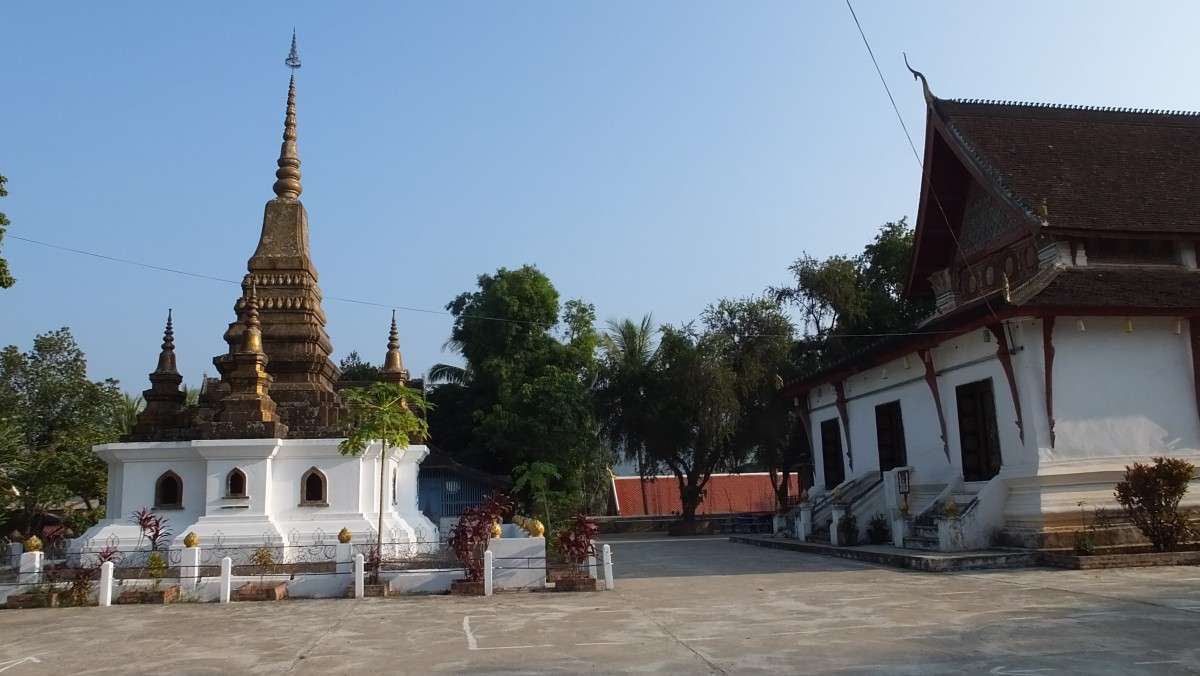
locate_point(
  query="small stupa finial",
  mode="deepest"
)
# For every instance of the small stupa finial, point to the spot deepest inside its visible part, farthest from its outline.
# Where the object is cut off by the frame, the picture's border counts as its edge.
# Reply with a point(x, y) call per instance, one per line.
point(929, 97)
point(393, 366)
point(166, 358)
point(287, 177)
point(252, 336)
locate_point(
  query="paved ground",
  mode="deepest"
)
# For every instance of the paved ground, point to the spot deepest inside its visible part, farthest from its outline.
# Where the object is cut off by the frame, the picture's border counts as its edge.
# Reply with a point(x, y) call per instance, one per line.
point(692, 606)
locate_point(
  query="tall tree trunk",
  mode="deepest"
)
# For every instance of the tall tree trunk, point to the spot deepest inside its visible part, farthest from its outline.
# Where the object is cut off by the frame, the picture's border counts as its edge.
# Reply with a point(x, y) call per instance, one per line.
point(689, 497)
point(641, 459)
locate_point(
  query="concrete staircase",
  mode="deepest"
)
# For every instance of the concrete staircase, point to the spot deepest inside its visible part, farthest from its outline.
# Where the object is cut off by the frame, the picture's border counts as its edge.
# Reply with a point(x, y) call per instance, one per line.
point(925, 530)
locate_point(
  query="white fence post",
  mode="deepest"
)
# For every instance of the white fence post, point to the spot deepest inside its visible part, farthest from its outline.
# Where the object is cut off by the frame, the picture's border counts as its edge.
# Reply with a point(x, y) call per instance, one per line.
point(226, 579)
point(360, 565)
point(31, 568)
point(189, 568)
point(608, 576)
point(104, 594)
point(488, 557)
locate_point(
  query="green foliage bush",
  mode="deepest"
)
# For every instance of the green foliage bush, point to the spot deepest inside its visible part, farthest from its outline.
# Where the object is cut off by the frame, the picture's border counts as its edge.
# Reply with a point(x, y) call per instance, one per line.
point(1151, 496)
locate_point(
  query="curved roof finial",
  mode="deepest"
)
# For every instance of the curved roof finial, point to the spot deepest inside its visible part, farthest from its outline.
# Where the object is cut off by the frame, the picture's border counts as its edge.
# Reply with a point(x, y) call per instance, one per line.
point(929, 97)
point(287, 183)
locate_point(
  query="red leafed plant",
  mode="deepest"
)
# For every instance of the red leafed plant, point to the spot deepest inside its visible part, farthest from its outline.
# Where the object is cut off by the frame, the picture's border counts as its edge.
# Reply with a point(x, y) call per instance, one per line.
point(470, 536)
point(576, 541)
point(153, 527)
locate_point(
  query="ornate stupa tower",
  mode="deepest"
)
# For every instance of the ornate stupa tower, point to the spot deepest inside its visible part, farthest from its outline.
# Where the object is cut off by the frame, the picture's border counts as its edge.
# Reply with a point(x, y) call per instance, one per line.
point(293, 322)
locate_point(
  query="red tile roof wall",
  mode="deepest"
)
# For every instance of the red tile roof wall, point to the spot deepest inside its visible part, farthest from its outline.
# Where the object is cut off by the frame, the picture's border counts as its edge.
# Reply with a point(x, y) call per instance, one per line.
point(725, 494)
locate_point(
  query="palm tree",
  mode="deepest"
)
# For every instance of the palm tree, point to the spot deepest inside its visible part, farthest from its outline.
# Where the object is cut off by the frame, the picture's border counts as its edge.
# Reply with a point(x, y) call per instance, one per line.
point(131, 406)
point(630, 350)
point(449, 373)
point(384, 413)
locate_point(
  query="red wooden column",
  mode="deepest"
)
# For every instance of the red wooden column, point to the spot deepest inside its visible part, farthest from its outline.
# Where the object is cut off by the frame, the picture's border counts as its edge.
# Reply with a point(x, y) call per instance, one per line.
point(1004, 353)
point(1048, 350)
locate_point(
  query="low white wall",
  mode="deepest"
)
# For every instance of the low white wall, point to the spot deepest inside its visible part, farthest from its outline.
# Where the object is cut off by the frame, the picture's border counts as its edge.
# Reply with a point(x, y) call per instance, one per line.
point(519, 562)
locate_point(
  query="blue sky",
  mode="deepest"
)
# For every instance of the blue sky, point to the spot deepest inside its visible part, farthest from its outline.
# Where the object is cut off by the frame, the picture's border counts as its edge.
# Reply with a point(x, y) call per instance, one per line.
point(648, 157)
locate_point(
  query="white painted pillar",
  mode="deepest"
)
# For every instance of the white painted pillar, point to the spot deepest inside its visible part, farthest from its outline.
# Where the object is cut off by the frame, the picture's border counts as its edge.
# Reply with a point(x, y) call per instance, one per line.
point(226, 579)
point(104, 594)
point(899, 530)
point(608, 576)
point(30, 570)
point(12, 554)
point(344, 555)
point(189, 568)
point(488, 580)
point(592, 569)
point(804, 524)
point(360, 566)
point(835, 535)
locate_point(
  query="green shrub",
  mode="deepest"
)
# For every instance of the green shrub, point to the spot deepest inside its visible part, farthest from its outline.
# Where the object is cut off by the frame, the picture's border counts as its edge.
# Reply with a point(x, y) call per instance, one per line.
point(1151, 495)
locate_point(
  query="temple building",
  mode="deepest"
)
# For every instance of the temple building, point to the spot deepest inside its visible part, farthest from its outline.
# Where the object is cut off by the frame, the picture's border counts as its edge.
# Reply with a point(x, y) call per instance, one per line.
point(256, 459)
point(1059, 244)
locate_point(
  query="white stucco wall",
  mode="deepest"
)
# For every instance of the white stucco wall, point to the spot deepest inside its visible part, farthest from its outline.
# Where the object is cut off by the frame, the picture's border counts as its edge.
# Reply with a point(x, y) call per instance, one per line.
point(272, 509)
point(1120, 394)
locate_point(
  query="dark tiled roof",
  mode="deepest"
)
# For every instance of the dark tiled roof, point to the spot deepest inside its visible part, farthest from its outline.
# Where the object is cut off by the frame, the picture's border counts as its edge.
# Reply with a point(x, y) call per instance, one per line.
point(1142, 288)
point(1096, 169)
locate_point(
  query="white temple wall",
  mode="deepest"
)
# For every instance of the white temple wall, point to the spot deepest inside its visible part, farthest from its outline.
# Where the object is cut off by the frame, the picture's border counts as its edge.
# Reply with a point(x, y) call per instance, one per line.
point(1123, 394)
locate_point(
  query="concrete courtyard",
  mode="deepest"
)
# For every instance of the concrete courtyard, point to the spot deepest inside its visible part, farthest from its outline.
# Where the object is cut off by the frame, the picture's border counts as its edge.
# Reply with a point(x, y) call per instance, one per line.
point(681, 606)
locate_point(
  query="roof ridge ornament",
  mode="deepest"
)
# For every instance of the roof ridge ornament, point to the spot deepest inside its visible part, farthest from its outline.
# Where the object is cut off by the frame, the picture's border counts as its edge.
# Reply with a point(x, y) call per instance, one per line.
point(929, 97)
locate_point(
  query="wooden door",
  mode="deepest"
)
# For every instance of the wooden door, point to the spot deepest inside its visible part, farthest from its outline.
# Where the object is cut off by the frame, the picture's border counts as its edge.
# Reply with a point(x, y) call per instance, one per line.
point(889, 436)
point(831, 453)
point(979, 439)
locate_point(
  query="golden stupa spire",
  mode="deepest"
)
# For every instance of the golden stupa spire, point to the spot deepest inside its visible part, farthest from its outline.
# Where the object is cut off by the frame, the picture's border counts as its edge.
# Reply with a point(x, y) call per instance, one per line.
point(287, 184)
point(393, 366)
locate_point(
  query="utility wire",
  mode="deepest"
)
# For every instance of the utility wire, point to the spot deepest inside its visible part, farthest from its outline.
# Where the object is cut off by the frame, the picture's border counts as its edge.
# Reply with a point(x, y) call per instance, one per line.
point(921, 164)
point(161, 268)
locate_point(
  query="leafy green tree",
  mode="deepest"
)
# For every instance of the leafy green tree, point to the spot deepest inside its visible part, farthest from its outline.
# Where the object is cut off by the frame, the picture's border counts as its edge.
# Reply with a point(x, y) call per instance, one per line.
point(6, 278)
point(354, 369)
point(532, 479)
point(693, 400)
point(848, 303)
point(530, 363)
point(53, 415)
point(385, 413)
point(755, 340)
point(629, 350)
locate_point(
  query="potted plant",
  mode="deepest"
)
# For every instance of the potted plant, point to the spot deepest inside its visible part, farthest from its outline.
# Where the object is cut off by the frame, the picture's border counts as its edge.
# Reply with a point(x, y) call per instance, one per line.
point(848, 528)
point(469, 539)
point(877, 529)
point(576, 544)
point(264, 560)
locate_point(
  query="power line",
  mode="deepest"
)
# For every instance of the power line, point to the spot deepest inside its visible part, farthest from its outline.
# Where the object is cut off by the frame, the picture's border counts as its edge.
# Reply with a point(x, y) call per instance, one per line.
point(920, 163)
point(161, 268)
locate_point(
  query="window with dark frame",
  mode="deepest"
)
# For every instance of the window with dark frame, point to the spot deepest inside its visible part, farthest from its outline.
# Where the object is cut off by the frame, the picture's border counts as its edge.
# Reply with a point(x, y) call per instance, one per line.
point(168, 491)
point(235, 484)
point(314, 489)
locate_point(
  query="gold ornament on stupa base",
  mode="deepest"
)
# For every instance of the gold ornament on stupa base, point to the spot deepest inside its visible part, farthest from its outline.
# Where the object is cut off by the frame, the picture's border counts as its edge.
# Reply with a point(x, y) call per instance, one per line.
point(191, 540)
point(345, 536)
